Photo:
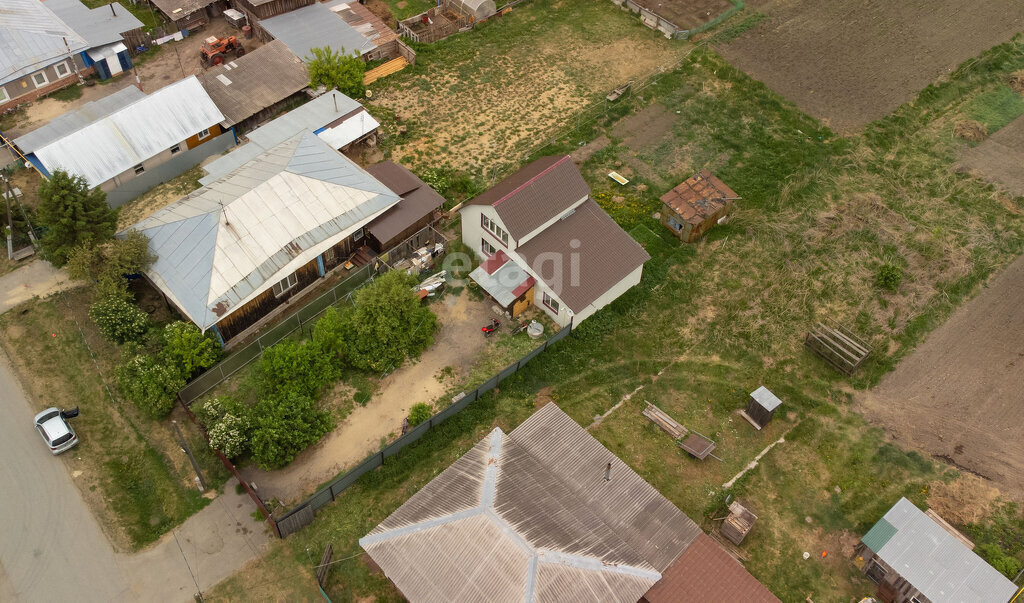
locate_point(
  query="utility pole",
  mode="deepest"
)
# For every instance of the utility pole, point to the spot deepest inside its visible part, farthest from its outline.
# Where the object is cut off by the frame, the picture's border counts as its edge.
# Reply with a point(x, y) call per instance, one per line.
point(188, 453)
point(81, 80)
point(10, 223)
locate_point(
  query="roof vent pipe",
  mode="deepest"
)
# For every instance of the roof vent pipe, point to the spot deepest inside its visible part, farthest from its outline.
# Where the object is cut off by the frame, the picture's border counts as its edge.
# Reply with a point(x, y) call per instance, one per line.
point(608, 473)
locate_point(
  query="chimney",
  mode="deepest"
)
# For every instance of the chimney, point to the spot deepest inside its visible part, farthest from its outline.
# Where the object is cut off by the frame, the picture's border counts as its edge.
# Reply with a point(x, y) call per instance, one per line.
point(608, 473)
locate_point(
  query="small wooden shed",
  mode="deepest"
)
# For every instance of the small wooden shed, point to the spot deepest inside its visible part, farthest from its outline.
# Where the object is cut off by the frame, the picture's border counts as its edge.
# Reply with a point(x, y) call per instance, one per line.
point(692, 208)
point(738, 524)
point(761, 407)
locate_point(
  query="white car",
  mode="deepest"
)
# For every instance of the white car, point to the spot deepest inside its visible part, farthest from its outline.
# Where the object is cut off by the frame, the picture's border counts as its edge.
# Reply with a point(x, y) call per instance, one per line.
point(52, 424)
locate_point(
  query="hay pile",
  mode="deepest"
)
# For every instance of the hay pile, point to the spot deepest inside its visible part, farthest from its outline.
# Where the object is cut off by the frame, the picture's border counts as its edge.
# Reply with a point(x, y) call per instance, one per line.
point(970, 130)
point(1017, 81)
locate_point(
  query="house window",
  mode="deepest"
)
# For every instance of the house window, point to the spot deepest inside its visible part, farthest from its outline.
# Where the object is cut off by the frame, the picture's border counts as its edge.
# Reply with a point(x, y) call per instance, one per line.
point(498, 232)
point(487, 248)
point(330, 255)
point(4, 97)
point(204, 134)
point(40, 79)
point(876, 573)
point(139, 169)
point(286, 284)
point(550, 302)
point(357, 235)
point(675, 224)
point(62, 70)
point(176, 149)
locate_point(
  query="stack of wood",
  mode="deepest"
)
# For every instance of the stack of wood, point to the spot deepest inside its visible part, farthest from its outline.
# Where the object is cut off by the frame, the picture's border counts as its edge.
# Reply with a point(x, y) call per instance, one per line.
point(738, 524)
point(698, 445)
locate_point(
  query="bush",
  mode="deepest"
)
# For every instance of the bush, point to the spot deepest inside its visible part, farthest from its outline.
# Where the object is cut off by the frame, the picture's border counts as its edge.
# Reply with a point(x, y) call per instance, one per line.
point(292, 366)
point(107, 264)
point(188, 350)
point(329, 335)
point(889, 276)
point(230, 435)
point(419, 413)
point(387, 324)
point(284, 425)
point(338, 70)
point(997, 558)
point(150, 384)
point(118, 319)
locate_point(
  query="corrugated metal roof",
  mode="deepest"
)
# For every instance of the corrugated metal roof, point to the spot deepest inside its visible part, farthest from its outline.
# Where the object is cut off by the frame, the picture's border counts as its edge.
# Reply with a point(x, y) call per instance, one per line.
point(32, 37)
point(509, 521)
point(583, 255)
point(698, 197)
point(314, 115)
point(878, 535)
point(98, 26)
point(706, 573)
point(535, 194)
point(936, 563)
point(766, 398)
point(315, 26)
point(133, 134)
point(251, 83)
point(504, 283)
point(187, 7)
point(75, 120)
point(227, 242)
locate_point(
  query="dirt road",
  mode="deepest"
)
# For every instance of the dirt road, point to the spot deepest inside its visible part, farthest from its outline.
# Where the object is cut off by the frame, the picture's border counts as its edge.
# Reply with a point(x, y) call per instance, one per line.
point(52, 549)
point(958, 396)
point(38, 278)
point(456, 345)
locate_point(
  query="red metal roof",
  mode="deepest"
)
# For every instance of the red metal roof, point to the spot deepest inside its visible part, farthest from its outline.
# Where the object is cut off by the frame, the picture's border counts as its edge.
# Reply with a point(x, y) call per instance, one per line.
point(705, 572)
point(698, 197)
point(491, 264)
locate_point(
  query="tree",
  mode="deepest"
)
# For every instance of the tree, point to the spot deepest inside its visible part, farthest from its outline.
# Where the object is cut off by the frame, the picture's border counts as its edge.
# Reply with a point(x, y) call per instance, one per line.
point(73, 215)
point(291, 366)
point(188, 350)
point(387, 324)
point(284, 425)
point(336, 70)
point(107, 264)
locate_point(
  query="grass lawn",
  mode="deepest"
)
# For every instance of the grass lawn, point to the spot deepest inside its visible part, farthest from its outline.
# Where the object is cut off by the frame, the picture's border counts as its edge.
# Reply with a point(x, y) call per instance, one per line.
point(819, 216)
point(134, 475)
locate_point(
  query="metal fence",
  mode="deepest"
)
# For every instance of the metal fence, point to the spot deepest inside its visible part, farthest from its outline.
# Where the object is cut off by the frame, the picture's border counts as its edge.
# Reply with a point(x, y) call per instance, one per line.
point(302, 321)
point(302, 515)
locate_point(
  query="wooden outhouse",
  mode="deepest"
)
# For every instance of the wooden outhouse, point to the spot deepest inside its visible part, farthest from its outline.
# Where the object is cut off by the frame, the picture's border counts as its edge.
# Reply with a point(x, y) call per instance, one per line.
point(692, 208)
point(761, 407)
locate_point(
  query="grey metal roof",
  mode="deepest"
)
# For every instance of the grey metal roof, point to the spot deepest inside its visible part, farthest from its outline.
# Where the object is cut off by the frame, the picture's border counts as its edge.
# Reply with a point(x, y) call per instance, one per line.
point(581, 256)
point(314, 115)
point(536, 193)
point(32, 37)
point(937, 563)
point(185, 7)
point(766, 398)
point(98, 26)
point(502, 284)
point(75, 120)
point(315, 26)
point(133, 134)
point(245, 86)
point(510, 522)
point(224, 244)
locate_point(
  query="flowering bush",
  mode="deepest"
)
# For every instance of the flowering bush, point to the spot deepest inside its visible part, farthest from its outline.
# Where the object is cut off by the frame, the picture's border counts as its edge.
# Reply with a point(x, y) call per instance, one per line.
point(119, 320)
point(150, 384)
point(230, 435)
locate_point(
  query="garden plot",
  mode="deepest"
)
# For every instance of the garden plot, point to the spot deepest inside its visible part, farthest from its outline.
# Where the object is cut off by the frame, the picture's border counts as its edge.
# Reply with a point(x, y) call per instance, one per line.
point(851, 62)
point(483, 101)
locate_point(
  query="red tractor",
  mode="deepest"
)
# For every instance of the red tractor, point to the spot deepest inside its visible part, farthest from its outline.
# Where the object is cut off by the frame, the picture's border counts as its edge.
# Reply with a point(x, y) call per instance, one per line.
point(214, 49)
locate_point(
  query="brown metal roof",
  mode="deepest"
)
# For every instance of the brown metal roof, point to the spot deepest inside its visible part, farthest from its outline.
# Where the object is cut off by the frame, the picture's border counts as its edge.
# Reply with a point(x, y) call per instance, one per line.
point(255, 81)
point(535, 194)
point(603, 254)
point(418, 200)
point(529, 516)
point(698, 197)
point(705, 572)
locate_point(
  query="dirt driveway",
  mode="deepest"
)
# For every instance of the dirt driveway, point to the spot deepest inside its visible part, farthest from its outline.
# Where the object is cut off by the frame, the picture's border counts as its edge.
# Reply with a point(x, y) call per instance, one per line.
point(958, 396)
point(849, 62)
point(456, 345)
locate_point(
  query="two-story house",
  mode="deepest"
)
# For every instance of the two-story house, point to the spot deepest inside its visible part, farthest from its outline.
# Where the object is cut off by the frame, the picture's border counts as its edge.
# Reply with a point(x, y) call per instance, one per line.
point(545, 242)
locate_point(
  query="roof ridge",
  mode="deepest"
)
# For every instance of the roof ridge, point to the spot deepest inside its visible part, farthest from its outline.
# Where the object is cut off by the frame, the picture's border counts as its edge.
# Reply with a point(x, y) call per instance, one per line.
point(531, 180)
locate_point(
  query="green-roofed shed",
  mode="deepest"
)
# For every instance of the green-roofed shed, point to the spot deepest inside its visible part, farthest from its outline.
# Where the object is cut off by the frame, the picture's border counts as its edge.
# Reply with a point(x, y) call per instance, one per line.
point(878, 535)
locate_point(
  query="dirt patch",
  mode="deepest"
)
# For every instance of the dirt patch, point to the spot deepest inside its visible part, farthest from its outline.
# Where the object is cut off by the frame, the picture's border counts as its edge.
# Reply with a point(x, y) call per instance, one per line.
point(456, 345)
point(582, 154)
point(851, 62)
point(958, 395)
point(970, 130)
point(544, 396)
point(647, 129)
point(686, 14)
point(999, 158)
point(158, 197)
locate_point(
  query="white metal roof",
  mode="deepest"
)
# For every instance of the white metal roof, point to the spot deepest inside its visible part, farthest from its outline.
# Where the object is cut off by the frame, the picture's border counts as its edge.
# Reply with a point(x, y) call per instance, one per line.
point(230, 241)
point(98, 26)
point(315, 115)
point(316, 26)
point(133, 134)
point(937, 563)
point(75, 120)
point(32, 37)
point(766, 398)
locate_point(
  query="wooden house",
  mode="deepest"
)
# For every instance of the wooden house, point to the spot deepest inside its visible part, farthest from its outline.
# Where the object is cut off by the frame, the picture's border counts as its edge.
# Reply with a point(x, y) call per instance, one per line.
point(692, 208)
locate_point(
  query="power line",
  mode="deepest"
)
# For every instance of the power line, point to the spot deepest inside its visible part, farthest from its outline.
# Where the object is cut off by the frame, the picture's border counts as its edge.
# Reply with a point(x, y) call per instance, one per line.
point(199, 591)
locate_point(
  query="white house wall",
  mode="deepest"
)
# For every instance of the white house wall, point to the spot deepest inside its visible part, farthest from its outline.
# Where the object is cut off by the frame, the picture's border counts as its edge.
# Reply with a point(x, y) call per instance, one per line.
point(631, 280)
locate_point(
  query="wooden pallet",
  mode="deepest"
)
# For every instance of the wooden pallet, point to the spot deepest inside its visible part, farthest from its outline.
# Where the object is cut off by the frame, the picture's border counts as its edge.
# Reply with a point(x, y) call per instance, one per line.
point(665, 422)
point(392, 66)
point(839, 346)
